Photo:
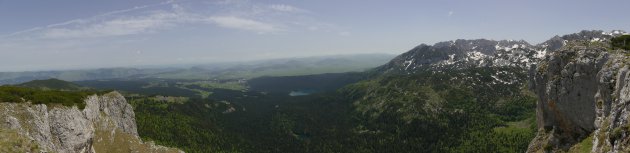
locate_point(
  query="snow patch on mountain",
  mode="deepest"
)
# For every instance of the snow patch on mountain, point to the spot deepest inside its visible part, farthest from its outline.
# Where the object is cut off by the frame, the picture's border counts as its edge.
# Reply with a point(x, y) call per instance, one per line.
point(462, 54)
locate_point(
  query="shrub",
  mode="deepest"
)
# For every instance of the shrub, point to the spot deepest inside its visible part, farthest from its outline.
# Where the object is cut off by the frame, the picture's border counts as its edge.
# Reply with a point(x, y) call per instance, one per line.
point(36, 96)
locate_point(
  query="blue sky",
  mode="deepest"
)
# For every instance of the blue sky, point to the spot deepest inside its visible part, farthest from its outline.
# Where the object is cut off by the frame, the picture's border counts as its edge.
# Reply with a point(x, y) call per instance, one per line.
point(76, 34)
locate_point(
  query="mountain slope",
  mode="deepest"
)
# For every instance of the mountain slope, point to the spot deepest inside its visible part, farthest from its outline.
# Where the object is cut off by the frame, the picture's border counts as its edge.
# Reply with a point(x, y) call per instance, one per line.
point(480, 85)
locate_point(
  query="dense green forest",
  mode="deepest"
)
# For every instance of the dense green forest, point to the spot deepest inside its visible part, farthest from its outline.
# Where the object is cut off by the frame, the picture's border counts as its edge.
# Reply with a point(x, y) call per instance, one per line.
point(425, 111)
point(445, 111)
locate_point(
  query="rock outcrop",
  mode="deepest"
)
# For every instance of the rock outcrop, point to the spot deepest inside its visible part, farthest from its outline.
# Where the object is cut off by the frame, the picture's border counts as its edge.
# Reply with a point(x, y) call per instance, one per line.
point(106, 124)
point(584, 91)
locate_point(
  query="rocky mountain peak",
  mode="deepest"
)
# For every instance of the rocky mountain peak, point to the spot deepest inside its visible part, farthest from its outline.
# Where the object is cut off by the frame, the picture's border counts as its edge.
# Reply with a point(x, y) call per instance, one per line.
point(464, 53)
point(461, 53)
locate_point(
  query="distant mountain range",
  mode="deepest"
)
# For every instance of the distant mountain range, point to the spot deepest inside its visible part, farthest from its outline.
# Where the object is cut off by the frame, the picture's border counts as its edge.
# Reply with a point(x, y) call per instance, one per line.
point(235, 70)
point(461, 53)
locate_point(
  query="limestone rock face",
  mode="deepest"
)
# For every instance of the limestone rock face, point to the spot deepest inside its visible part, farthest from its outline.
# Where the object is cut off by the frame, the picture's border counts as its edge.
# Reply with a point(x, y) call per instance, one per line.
point(69, 129)
point(116, 108)
point(72, 130)
point(566, 86)
point(582, 92)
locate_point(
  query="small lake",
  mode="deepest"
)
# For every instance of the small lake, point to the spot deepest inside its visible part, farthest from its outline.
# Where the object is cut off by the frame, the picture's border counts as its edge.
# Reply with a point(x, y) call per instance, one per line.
point(300, 93)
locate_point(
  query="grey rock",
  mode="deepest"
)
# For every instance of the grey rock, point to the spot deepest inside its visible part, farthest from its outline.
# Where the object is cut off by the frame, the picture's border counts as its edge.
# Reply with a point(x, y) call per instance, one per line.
point(583, 91)
point(119, 111)
point(72, 130)
point(69, 129)
point(566, 85)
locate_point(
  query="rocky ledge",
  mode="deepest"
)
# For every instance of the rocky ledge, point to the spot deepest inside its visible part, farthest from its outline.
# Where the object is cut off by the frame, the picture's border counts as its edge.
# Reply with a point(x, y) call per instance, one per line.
point(106, 124)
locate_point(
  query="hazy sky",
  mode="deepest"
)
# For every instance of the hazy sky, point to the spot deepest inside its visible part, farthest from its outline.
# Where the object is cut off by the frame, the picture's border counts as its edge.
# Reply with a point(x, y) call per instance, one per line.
point(70, 34)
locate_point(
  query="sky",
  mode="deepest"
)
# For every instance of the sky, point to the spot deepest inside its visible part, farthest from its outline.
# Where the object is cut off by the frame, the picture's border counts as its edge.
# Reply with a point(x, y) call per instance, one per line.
point(78, 34)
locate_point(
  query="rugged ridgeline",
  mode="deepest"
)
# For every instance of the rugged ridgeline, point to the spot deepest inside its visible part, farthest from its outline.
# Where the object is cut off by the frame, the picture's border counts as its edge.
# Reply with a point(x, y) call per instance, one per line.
point(460, 54)
point(583, 92)
point(106, 124)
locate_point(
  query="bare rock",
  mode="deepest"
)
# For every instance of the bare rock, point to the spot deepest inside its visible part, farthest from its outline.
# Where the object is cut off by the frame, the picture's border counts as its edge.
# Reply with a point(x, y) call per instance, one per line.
point(582, 92)
point(68, 129)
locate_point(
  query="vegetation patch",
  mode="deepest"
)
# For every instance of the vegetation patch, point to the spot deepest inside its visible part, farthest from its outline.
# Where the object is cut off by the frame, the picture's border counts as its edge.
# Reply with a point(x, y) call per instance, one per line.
point(621, 42)
point(584, 146)
point(48, 97)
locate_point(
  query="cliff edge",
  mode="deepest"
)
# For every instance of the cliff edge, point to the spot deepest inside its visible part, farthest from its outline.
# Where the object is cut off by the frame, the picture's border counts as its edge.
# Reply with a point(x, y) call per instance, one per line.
point(106, 124)
point(583, 95)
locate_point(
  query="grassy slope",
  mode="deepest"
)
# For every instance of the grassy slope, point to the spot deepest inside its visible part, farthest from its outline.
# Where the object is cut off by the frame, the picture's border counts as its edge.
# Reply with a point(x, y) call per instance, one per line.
point(11, 141)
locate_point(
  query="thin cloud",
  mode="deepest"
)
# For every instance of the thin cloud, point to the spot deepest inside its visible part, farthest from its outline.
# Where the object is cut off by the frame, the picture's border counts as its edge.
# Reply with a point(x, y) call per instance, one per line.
point(286, 8)
point(82, 21)
point(118, 27)
point(243, 24)
point(241, 15)
point(450, 13)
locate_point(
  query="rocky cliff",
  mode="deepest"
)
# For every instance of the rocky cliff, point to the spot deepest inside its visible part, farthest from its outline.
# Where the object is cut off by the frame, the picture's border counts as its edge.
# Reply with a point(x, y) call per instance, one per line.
point(584, 91)
point(106, 124)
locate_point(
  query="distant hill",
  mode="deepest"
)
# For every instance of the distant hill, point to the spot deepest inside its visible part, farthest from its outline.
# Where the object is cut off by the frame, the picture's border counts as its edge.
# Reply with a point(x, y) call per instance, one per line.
point(233, 70)
point(52, 84)
point(76, 75)
point(280, 67)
